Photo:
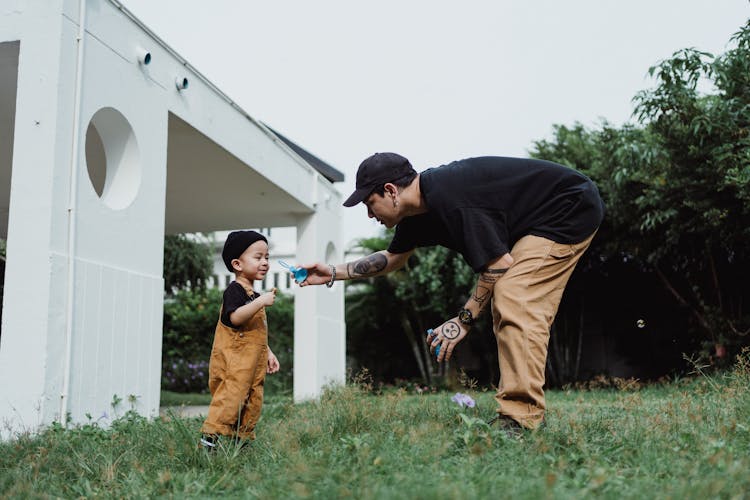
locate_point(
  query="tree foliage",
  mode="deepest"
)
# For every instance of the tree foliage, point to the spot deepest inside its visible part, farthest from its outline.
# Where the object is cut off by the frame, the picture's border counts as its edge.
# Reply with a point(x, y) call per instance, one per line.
point(187, 262)
point(388, 316)
point(191, 311)
point(190, 317)
point(188, 329)
point(677, 184)
point(281, 341)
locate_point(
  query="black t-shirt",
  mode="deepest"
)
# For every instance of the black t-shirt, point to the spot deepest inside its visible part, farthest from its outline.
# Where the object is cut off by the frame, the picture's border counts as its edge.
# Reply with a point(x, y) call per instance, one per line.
point(234, 296)
point(481, 207)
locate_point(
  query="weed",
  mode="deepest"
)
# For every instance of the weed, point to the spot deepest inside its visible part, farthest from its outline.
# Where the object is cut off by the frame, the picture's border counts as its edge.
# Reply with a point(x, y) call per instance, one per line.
point(700, 368)
point(363, 379)
point(473, 434)
point(466, 381)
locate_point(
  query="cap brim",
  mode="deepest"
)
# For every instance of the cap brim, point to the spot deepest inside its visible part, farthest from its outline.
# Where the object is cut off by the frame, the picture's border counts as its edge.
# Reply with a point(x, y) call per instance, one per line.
point(357, 196)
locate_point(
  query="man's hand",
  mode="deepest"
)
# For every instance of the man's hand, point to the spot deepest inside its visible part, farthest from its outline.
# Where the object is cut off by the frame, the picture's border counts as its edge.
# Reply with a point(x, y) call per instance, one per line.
point(317, 274)
point(447, 336)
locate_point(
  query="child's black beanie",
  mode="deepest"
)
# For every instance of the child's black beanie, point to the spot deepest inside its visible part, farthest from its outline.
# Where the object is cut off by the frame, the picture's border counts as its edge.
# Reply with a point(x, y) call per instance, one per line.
point(237, 242)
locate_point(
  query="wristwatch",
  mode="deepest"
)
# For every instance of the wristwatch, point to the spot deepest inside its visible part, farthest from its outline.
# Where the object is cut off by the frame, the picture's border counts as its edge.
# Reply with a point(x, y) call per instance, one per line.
point(465, 317)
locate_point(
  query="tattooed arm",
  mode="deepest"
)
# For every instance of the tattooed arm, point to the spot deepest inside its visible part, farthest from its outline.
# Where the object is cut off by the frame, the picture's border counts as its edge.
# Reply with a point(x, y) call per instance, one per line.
point(486, 284)
point(450, 333)
point(374, 264)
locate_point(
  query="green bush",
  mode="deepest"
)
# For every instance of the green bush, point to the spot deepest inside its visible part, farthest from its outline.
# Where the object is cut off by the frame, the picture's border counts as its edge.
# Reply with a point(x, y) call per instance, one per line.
point(281, 342)
point(677, 188)
point(190, 318)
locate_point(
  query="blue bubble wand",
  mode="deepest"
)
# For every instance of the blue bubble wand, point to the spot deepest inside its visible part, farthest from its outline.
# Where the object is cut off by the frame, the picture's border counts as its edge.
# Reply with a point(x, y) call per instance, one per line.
point(432, 334)
point(300, 273)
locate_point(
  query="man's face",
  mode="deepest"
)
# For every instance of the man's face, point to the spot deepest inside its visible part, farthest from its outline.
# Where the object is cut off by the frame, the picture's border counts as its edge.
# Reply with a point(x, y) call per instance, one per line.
point(383, 208)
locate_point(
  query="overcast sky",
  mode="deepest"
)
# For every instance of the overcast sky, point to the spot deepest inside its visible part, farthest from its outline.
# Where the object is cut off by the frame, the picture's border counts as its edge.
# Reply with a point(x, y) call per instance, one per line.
point(434, 80)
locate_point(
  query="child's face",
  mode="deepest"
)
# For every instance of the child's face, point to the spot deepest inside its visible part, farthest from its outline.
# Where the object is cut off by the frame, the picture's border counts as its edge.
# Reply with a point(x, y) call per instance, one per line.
point(253, 263)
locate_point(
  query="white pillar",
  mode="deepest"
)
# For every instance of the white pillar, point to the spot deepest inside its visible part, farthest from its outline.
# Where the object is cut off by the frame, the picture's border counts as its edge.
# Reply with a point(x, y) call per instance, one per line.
point(29, 310)
point(319, 328)
point(83, 290)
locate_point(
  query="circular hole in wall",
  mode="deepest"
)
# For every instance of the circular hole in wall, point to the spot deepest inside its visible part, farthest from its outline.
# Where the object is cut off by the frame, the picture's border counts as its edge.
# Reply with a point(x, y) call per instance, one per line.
point(113, 158)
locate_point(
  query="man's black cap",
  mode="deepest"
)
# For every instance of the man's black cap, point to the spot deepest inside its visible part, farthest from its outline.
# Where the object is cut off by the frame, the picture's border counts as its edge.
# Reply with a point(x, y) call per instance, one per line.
point(237, 242)
point(376, 171)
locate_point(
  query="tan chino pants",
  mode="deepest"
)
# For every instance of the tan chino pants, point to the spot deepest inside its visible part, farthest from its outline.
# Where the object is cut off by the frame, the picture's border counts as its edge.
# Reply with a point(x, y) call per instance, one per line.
point(524, 305)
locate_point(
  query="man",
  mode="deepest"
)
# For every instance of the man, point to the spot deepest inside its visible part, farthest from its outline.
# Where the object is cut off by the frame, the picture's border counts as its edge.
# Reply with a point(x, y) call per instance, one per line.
point(521, 224)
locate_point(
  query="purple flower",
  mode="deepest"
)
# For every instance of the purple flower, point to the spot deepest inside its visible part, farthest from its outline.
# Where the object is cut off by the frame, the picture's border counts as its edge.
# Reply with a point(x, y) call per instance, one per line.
point(463, 400)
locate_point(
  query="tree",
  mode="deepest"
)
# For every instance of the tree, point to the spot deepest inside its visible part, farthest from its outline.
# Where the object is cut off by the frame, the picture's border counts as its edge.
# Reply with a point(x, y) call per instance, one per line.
point(676, 185)
point(432, 287)
point(187, 262)
point(677, 189)
point(698, 199)
point(373, 316)
point(281, 342)
point(190, 312)
point(190, 318)
point(188, 329)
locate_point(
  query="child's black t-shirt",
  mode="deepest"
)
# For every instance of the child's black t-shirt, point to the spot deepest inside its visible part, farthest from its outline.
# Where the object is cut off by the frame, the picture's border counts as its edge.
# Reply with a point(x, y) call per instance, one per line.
point(234, 296)
point(481, 206)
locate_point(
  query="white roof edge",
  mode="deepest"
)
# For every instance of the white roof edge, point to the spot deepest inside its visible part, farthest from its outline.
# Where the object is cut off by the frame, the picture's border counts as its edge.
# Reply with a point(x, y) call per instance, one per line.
point(213, 87)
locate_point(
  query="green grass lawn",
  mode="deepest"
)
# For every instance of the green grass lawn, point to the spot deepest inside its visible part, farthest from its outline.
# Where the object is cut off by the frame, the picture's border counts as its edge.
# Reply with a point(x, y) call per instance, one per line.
point(169, 398)
point(688, 439)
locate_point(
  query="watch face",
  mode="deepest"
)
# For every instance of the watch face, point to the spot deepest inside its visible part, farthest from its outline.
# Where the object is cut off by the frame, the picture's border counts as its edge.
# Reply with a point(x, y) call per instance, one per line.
point(465, 316)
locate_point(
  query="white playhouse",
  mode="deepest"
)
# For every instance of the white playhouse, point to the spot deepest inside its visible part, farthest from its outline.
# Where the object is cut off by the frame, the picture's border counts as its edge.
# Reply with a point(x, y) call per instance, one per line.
point(108, 141)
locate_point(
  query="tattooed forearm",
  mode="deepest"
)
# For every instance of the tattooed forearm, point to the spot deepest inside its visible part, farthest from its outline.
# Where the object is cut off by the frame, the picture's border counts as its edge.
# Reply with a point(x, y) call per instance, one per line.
point(481, 294)
point(367, 266)
point(496, 271)
point(485, 285)
point(490, 276)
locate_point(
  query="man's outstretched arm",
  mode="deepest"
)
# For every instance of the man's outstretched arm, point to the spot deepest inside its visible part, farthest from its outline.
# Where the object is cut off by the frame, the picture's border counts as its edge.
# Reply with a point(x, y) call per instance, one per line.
point(375, 264)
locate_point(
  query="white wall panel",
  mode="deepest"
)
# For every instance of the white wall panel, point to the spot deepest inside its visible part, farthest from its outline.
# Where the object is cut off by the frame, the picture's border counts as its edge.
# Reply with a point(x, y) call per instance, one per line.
point(116, 343)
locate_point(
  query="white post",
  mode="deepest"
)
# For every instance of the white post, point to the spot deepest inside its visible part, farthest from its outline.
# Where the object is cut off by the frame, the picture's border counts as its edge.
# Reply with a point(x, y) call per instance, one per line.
point(29, 397)
point(82, 308)
point(319, 328)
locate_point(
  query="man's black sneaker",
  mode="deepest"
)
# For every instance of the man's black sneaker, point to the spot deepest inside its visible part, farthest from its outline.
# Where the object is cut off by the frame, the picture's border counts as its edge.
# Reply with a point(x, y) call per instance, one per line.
point(510, 427)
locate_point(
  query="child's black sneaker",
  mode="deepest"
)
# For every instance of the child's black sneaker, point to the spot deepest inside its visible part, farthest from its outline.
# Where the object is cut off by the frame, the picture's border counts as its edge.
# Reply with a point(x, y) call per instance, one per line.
point(207, 442)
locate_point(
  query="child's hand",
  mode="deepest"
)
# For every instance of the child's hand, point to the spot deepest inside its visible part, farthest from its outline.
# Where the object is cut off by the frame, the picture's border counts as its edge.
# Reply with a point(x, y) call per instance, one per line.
point(273, 363)
point(269, 297)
